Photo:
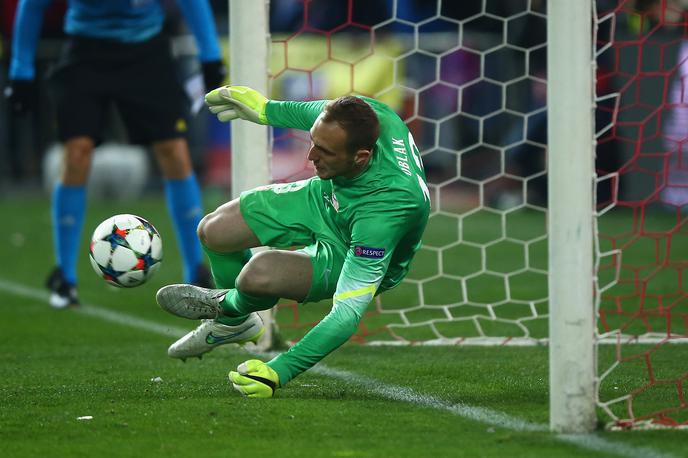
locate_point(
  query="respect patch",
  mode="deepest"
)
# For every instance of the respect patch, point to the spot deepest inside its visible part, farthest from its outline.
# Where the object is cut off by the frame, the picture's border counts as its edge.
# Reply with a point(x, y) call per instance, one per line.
point(368, 252)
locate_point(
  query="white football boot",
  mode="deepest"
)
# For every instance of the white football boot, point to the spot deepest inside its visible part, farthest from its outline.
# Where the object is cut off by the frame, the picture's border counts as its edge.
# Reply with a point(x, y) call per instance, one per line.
point(62, 293)
point(193, 302)
point(211, 334)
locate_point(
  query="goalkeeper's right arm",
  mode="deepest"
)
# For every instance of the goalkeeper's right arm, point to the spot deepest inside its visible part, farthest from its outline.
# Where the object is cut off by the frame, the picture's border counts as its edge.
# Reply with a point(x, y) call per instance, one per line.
point(241, 102)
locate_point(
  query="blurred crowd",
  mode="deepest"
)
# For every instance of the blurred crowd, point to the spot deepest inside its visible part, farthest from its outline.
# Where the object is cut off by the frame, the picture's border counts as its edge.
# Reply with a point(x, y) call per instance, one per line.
point(497, 121)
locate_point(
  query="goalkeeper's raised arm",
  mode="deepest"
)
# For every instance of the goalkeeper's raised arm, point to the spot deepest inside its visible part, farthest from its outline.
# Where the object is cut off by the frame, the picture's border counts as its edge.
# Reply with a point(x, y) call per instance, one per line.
point(241, 102)
point(359, 221)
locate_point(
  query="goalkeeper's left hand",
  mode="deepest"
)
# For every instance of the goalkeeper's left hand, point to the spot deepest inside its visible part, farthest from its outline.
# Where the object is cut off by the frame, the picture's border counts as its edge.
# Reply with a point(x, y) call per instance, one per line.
point(232, 102)
point(255, 379)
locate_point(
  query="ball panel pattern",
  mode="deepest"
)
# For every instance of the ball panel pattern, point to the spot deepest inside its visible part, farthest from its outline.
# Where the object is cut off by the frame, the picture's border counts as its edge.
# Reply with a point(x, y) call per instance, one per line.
point(125, 250)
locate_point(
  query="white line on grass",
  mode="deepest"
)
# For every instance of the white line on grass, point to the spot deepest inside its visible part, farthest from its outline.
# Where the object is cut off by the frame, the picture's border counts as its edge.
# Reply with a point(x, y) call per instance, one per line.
point(487, 416)
point(393, 392)
point(400, 393)
point(98, 312)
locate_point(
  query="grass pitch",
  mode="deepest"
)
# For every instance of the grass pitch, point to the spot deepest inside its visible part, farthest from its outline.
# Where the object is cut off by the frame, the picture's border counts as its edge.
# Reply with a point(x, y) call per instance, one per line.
point(102, 362)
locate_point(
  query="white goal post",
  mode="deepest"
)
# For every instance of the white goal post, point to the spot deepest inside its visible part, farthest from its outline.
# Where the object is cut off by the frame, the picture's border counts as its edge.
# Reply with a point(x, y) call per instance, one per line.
point(249, 50)
point(571, 146)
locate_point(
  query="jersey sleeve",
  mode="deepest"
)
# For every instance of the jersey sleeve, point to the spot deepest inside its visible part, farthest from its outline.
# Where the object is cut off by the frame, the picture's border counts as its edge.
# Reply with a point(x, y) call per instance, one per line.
point(372, 245)
point(293, 115)
point(28, 22)
point(199, 17)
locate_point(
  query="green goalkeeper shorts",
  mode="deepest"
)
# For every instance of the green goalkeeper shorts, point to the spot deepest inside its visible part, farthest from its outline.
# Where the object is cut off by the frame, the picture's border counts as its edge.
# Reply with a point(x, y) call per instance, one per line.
point(293, 214)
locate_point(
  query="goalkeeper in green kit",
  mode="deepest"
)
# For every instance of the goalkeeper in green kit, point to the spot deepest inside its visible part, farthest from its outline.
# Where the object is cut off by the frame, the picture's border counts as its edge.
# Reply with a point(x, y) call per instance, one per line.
point(360, 221)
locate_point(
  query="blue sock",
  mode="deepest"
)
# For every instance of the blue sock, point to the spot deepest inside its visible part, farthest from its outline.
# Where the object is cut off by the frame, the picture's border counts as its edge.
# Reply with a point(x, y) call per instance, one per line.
point(186, 208)
point(67, 212)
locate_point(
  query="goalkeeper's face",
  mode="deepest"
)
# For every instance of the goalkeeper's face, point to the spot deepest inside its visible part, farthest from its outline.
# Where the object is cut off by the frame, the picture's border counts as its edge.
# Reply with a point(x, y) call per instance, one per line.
point(329, 152)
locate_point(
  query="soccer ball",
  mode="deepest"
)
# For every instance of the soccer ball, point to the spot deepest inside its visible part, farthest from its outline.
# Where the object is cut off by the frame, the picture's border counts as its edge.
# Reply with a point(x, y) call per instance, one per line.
point(125, 250)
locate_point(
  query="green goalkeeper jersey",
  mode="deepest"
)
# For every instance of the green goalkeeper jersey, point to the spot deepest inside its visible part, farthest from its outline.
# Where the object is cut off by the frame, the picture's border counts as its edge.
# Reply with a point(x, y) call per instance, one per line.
point(380, 215)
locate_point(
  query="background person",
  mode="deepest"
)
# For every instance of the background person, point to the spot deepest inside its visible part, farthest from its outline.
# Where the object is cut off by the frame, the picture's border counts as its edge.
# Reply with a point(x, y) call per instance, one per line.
point(116, 54)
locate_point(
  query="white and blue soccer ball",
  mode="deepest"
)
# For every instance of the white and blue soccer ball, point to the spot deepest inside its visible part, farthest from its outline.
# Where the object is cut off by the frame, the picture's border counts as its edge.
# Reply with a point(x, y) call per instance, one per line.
point(126, 250)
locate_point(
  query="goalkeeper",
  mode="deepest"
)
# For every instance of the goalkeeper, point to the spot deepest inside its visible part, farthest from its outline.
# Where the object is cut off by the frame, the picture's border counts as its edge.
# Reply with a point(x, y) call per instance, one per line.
point(360, 220)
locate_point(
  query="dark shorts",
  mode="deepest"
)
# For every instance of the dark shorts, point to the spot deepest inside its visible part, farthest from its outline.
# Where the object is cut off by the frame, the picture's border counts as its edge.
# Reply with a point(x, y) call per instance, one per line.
point(139, 79)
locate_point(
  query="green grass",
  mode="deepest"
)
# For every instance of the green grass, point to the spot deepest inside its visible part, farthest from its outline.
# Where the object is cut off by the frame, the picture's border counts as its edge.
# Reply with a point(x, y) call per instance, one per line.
point(57, 366)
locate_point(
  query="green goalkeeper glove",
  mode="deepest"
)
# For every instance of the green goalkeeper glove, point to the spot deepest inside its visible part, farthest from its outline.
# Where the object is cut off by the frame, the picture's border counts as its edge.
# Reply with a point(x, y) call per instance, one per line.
point(232, 102)
point(255, 379)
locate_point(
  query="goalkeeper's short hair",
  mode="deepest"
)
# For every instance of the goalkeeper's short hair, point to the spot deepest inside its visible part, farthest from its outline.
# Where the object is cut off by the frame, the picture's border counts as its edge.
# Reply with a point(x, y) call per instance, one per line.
point(357, 118)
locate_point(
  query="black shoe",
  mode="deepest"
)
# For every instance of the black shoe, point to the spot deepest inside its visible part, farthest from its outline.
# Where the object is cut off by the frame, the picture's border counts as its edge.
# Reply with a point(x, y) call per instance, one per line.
point(62, 293)
point(203, 277)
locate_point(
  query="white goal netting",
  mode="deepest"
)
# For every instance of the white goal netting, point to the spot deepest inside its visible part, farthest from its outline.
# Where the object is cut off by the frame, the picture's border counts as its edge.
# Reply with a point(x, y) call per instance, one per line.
point(469, 79)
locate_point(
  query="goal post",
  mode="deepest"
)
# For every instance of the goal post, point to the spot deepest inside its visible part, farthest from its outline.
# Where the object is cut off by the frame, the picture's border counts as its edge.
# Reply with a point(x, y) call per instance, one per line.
point(249, 47)
point(570, 70)
point(249, 42)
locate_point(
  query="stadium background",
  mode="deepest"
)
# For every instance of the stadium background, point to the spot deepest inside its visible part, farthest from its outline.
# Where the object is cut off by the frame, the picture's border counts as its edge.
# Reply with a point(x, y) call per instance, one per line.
point(24, 148)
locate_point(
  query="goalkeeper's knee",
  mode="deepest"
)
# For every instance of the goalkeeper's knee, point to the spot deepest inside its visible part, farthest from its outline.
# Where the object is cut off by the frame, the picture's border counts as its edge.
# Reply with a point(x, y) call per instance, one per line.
point(255, 379)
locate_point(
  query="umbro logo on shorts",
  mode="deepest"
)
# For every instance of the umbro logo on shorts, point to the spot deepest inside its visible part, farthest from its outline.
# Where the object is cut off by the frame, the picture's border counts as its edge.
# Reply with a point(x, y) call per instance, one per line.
point(367, 252)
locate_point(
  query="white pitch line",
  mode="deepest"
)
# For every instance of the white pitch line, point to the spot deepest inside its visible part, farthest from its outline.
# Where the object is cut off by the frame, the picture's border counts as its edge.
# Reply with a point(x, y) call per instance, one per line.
point(400, 393)
point(489, 416)
point(393, 392)
point(98, 312)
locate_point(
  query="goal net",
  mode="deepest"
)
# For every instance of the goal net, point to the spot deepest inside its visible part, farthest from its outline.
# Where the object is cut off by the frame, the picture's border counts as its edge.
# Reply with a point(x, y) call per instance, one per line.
point(469, 79)
point(642, 248)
